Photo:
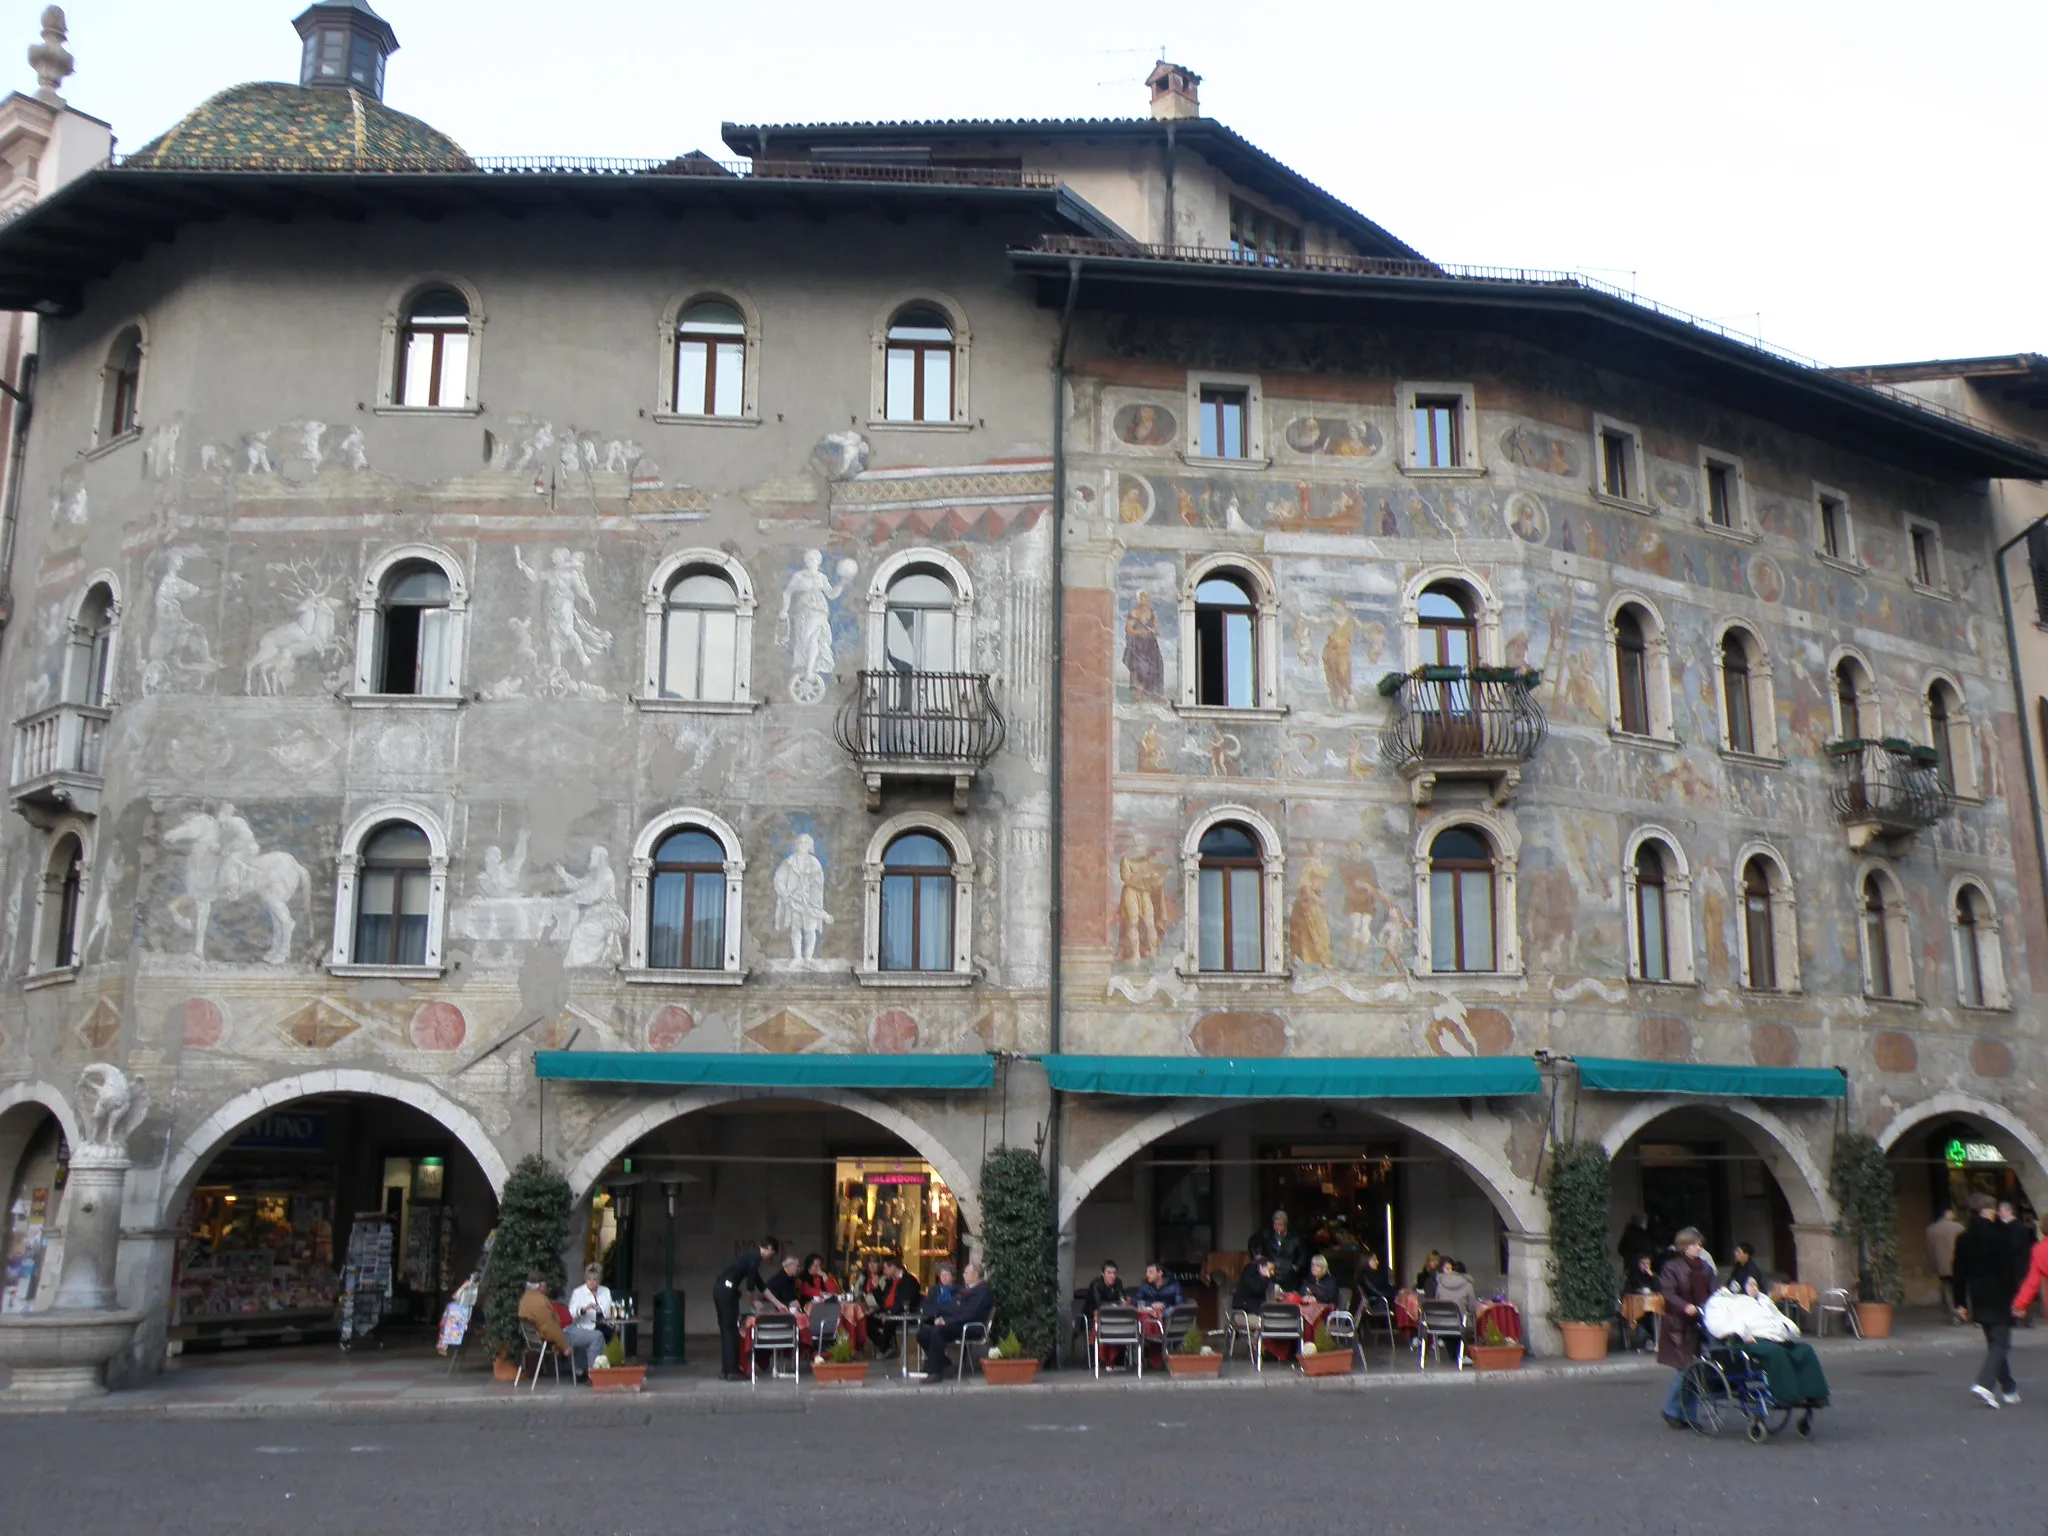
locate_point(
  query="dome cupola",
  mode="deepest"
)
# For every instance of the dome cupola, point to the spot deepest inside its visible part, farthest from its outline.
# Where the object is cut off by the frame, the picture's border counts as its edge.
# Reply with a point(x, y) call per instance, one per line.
point(346, 45)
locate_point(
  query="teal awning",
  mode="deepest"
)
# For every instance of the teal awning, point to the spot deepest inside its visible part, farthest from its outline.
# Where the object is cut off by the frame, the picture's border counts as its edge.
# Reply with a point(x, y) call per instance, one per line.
point(725, 1069)
point(1611, 1074)
point(1296, 1077)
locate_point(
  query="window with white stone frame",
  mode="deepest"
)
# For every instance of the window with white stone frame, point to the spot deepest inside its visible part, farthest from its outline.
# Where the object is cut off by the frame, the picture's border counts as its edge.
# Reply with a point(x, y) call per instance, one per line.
point(686, 892)
point(57, 928)
point(917, 889)
point(919, 378)
point(1229, 640)
point(433, 347)
point(1233, 872)
point(1979, 953)
point(1742, 685)
point(391, 895)
point(699, 608)
point(411, 616)
point(1657, 892)
point(1885, 934)
point(1639, 680)
point(1466, 917)
point(1950, 732)
point(710, 359)
point(1768, 935)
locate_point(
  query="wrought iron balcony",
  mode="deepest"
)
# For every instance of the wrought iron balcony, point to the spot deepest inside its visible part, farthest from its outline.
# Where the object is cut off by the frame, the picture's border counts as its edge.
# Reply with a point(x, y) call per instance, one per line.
point(57, 761)
point(1455, 723)
point(1887, 789)
point(921, 725)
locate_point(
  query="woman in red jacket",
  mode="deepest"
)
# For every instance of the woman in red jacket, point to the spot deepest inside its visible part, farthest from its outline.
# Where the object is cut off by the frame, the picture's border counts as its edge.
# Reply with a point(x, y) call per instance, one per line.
point(2037, 1275)
point(1685, 1282)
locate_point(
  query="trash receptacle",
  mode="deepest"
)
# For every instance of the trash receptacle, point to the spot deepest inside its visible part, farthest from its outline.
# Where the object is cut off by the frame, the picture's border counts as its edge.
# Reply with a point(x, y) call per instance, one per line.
point(668, 1328)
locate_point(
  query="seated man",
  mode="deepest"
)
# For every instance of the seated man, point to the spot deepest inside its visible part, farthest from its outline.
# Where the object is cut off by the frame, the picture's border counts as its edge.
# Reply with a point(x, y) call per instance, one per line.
point(1642, 1282)
point(1254, 1287)
point(1745, 1270)
point(1453, 1284)
point(972, 1303)
point(1159, 1293)
point(1790, 1365)
point(899, 1294)
point(576, 1341)
point(786, 1284)
point(591, 1305)
point(1106, 1289)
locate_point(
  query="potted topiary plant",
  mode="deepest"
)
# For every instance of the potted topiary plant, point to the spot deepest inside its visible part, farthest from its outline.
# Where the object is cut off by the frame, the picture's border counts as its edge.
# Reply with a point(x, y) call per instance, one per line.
point(1581, 1285)
point(1195, 1357)
point(838, 1365)
point(1007, 1365)
point(1322, 1357)
point(1019, 1250)
point(610, 1373)
point(1495, 1351)
point(533, 1229)
point(1861, 1182)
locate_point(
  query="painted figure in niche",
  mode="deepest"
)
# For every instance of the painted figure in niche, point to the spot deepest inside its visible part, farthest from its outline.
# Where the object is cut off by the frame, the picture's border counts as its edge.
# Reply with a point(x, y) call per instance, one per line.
point(1139, 909)
point(1298, 753)
point(1233, 516)
point(1222, 750)
point(223, 863)
point(1674, 490)
point(595, 921)
point(175, 642)
point(1304, 640)
point(1308, 921)
point(1539, 451)
point(1141, 648)
point(500, 876)
point(1333, 437)
point(1190, 511)
point(1133, 499)
point(307, 635)
point(1765, 580)
point(566, 592)
point(1527, 520)
point(1389, 525)
point(1359, 758)
point(805, 624)
point(1145, 426)
point(1337, 655)
point(799, 886)
point(1362, 896)
point(1152, 751)
point(1713, 891)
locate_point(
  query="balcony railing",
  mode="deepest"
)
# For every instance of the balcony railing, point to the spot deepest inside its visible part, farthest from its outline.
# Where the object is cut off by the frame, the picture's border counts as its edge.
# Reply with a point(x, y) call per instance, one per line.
point(921, 725)
point(1888, 788)
point(1454, 722)
point(57, 761)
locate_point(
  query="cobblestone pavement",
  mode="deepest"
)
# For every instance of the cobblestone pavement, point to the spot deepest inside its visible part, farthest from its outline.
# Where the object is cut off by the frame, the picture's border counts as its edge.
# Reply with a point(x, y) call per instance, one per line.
point(1904, 1449)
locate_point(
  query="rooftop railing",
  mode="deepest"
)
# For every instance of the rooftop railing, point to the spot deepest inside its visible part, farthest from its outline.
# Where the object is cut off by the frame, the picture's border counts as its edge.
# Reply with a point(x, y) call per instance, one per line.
point(599, 166)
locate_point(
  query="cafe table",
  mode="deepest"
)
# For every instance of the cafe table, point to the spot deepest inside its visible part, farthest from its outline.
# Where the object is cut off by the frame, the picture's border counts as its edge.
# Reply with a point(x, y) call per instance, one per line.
point(1801, 1296)
point(804, 1338)
point(1635, 1304)
point(906, 1335)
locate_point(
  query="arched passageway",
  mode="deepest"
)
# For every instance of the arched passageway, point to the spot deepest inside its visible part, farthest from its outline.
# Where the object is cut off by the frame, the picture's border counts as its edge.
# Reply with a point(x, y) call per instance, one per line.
point(1942, 1153)
point(35, 1149)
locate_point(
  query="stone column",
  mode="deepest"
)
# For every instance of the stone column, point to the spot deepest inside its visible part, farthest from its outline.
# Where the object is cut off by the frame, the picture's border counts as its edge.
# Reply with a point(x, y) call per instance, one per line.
point(1824, 1259)
point(1529, 1289)
point(93, 1229)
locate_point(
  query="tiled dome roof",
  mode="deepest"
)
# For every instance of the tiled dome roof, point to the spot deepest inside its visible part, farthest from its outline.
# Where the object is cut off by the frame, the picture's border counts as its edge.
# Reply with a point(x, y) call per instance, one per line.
point(269, 126)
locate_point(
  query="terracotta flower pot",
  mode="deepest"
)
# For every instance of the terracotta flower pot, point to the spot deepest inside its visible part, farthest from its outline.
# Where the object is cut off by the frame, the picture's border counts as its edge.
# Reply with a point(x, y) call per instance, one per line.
point(1195, 1365)
point(1496, 1357)
point(1874, 1319)
point(1008, 1373)
point(840, 1372)
point(1334, 1362)
point(1584, 1341)
point(617, 1378)
point(504, 1370)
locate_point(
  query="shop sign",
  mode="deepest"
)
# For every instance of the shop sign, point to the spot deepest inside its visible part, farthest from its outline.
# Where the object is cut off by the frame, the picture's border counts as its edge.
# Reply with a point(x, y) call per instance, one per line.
point(285, 1130)
point(899, 1178)
point(1966, 1154)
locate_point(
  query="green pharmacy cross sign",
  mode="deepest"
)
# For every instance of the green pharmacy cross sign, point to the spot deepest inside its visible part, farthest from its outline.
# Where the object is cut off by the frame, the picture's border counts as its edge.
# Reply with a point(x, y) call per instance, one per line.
point(1963, 1154)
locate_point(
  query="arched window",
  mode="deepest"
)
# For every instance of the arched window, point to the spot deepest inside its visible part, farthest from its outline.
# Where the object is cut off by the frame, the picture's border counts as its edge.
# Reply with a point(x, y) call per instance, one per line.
point(1461, 902)
point(432, 362)
point(1887, 942)
point(919, 628)
point(393, 897)
point(917, 365)
point(1657, 887)
point(1749, 722)
point(1230, 900)
point(686, 907)
point(1449, 630)
point(1855, 701)
point(1652, 916)
point(700, 628)
point(413, 630)
point(1980, 963)
point(1226, 643)
point(917, 905)
point(1760, 942)
point(1632, 671)
point(711, 359)
point(121, 387)
point(1950, 733)
point(1735, 691)
point(60, 906)
point(89, 676)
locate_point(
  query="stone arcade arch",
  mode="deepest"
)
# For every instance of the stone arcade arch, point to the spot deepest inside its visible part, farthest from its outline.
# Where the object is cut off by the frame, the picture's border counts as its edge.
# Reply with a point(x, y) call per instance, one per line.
point(1923, 1184)
point(2004, 1129)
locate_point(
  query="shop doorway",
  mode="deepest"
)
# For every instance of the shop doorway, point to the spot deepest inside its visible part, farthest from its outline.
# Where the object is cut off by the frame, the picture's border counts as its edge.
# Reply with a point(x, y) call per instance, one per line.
point(36, 1157)
point(1941, 1167)
point(1691, 1168)
point(340, 1202)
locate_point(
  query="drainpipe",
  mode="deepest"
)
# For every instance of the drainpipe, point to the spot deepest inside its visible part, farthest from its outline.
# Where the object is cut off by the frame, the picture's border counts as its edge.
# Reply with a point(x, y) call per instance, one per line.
point(1170, 240)
point(2019, 699)
point(1054, 997)
point(24, 399)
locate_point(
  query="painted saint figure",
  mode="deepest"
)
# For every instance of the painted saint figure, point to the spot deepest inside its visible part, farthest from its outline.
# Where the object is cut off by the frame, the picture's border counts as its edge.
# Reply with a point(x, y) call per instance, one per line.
point(1141, 648)
point(805, 625)
point(1337, 655)
point(500, 876)
point(799, 886)
point(1144, 881)
point(1308, 921)
point(565, 588)
point(591, 914)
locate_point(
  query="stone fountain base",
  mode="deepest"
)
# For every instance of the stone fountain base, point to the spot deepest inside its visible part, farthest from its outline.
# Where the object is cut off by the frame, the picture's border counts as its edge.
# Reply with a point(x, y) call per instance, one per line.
point(59, 1354)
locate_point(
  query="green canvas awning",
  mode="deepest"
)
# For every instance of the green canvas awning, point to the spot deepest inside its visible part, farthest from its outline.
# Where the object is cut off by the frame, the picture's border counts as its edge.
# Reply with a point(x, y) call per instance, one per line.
point(1611, 1074)
point(1296, 1077)
point(723, 1069)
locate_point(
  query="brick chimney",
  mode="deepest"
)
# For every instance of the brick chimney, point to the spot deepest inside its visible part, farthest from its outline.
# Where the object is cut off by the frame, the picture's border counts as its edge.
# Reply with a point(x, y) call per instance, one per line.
point(1176, 90)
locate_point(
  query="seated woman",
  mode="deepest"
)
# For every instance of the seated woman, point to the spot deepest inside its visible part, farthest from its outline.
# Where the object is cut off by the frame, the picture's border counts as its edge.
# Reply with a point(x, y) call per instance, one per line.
point(1642, 1282)
point(1321, 1285)
point(814, 1283)
point(1425, 1282)
point(1790, 1366)
point(1453, 1284)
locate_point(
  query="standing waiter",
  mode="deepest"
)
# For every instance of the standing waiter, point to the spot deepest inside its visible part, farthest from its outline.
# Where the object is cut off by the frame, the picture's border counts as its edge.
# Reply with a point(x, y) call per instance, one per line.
point(742, 1274)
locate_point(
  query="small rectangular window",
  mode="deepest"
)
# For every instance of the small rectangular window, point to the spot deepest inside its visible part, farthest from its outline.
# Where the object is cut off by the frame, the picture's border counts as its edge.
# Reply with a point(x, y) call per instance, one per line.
point(1834, 528)
point(1223, 423)
point(1617, 466)
point(1926, 562)
point(1258, 236)
point(1436, 432)
point(1721, 495)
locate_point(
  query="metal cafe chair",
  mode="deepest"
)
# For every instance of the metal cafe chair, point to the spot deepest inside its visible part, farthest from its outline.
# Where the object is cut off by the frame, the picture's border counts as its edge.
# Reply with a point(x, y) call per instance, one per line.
point(824, 1317)
point(970, 1333)
point(542, 1352)
point(1441, 1321)
point(1237, 1324)
point(1343, 1330)
point(1174, 1325)
point(1118, 1328)
point(1279, 1321)
point(775, 1334)
point(1839, 1301)
point(1378, 1312)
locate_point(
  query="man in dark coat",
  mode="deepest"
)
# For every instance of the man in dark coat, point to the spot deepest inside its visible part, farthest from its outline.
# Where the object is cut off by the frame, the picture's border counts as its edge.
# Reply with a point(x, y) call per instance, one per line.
point(1987, 1276)
point(900, 1294)
point(1635, 1244)
point(1287, 1251)
point(972, 1303)
point(1685, 1282)
point(742, 1274)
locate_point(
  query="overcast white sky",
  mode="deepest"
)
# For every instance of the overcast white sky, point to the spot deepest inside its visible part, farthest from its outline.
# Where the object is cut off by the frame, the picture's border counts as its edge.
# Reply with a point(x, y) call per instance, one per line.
point(1864, 175)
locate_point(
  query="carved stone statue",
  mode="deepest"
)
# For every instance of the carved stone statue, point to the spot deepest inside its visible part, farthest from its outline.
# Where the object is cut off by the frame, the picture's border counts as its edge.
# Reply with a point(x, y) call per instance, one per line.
point(50, 59)
point(110, 1106)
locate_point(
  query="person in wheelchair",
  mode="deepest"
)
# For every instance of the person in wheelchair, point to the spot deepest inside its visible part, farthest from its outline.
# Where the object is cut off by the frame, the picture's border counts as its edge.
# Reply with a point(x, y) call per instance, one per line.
point(1747, 1321)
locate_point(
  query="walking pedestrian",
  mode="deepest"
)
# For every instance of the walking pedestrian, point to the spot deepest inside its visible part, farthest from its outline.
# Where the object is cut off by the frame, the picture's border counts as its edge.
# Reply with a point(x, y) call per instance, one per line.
point(1685, 1282)
point(1942, 1233)
point(742, 1274)
point(1986, 1279)
point(2037, 1275)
